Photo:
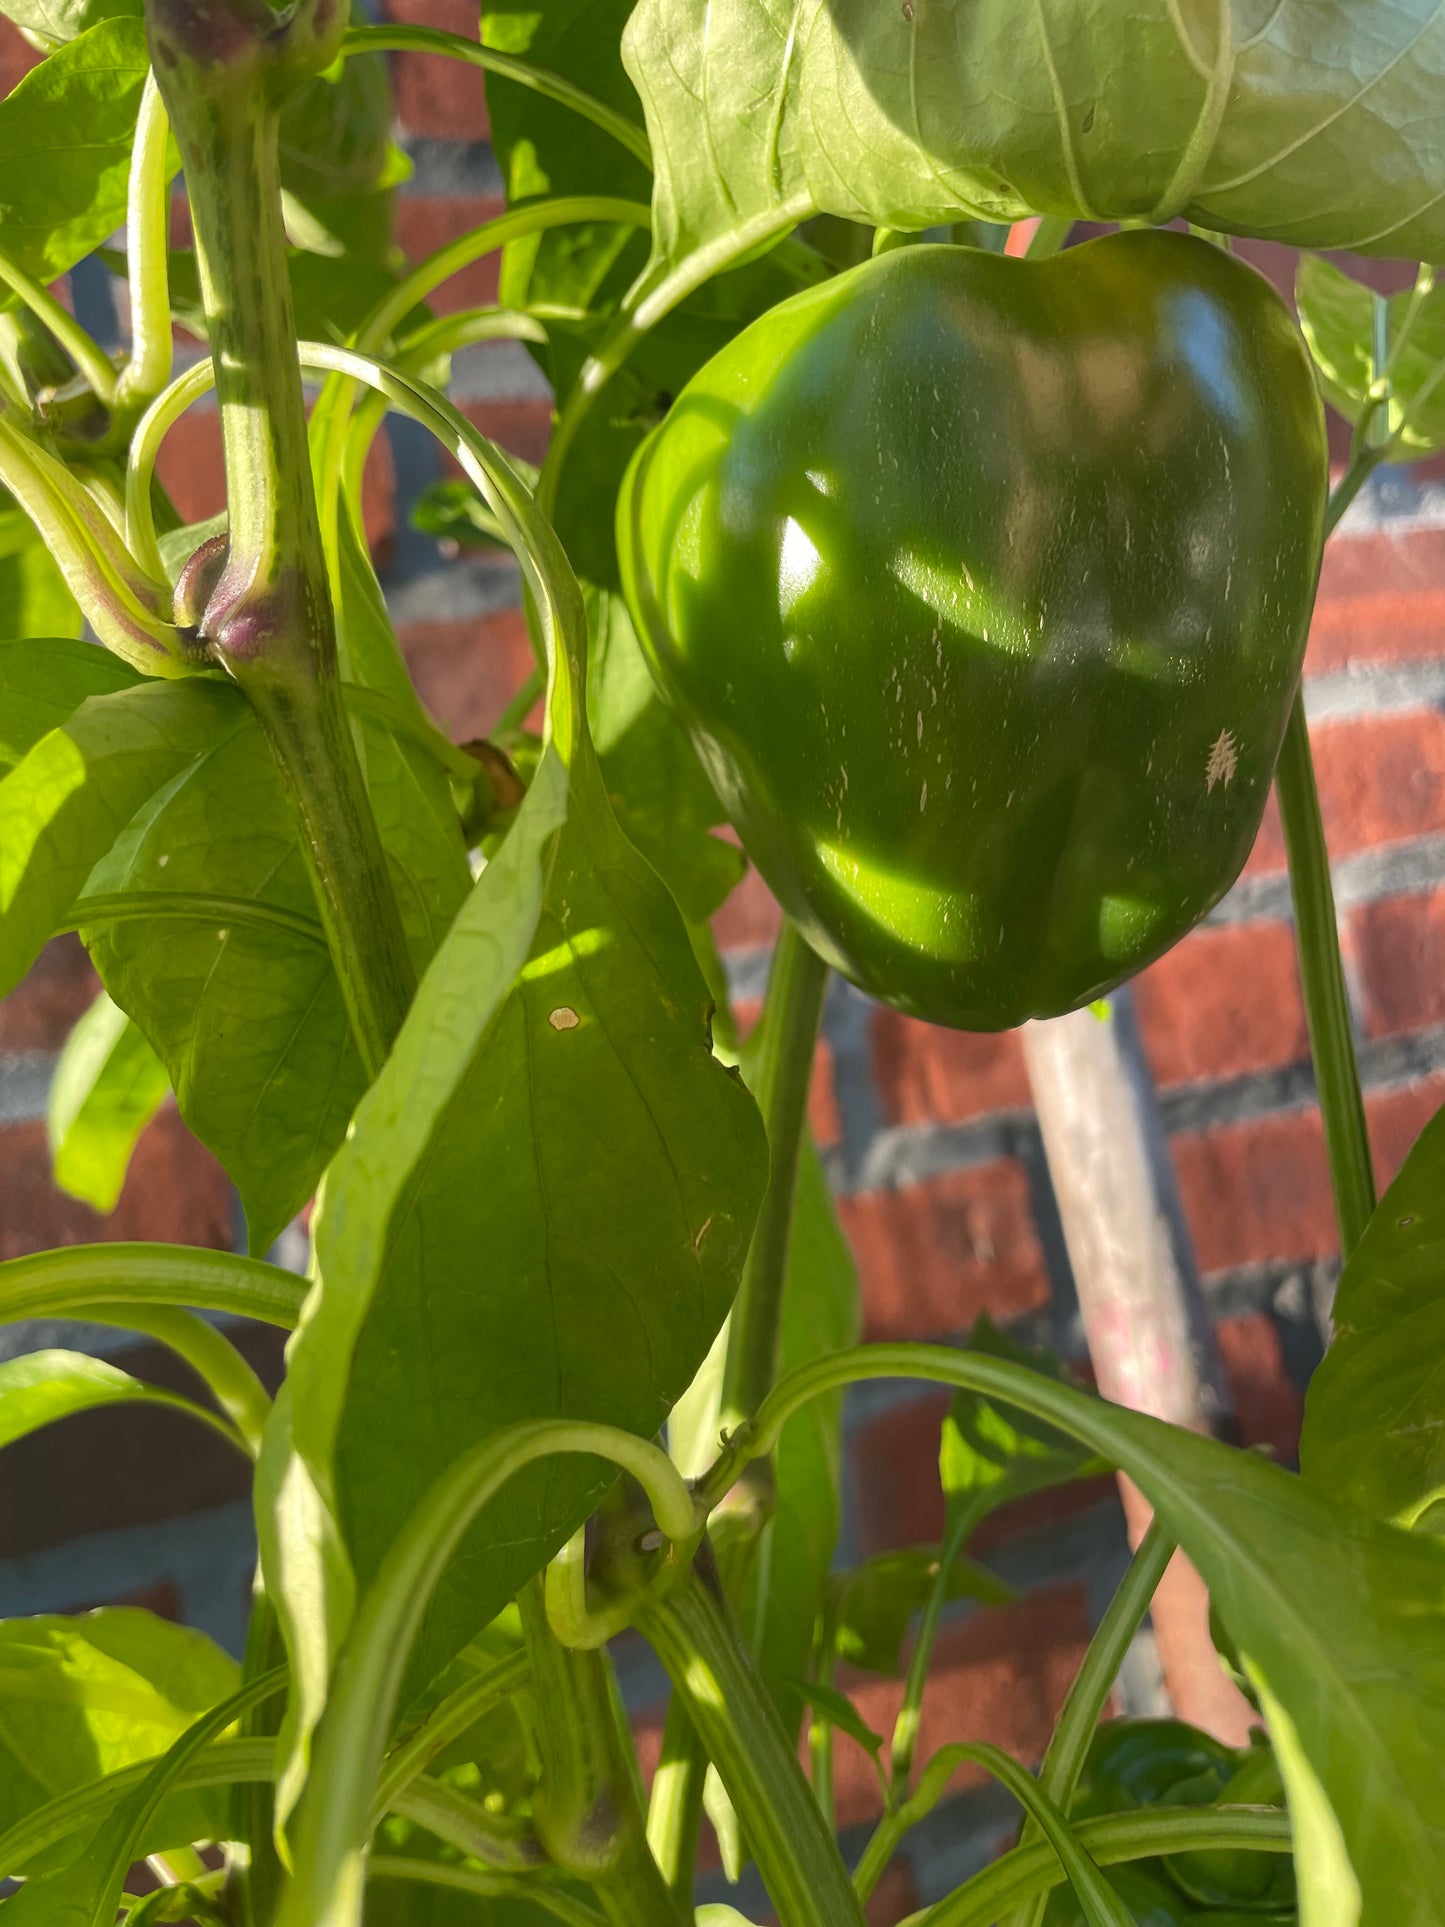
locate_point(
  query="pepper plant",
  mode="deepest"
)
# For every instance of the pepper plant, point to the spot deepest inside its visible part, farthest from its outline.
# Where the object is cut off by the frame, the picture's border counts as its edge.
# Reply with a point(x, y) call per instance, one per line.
point(976, 590)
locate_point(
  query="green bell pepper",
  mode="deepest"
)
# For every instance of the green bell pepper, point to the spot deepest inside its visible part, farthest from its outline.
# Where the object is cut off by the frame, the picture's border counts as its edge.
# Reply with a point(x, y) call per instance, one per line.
point(982, 586)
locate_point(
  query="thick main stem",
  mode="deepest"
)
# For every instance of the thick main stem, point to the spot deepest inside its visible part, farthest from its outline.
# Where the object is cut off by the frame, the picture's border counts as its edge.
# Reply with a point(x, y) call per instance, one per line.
point(791, 1016)
point(585, 1810)
point(224, 71)
point(1322, 977)
point(693, 1632)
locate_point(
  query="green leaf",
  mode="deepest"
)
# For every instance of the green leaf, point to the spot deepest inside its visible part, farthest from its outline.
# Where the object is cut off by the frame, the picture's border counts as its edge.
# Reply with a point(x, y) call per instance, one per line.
point(989, 1454)
point(1339, 318)
point(878, 1599)
point(838, 1710)
point(80, 1698)
point(1374, 1426)
point(34, 600)
point(1302, 124)
point(65, 141)
point(63, 806)
point(107, 1087)
point(62, 20)
point(339, 164)
point(247, 1015)
point(43, 681)
point(546, 149)
point(37, 1388)
point(87, 1892)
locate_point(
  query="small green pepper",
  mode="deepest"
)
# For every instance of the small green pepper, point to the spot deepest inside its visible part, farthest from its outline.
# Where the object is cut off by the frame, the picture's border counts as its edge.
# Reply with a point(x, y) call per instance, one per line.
point(982, 586)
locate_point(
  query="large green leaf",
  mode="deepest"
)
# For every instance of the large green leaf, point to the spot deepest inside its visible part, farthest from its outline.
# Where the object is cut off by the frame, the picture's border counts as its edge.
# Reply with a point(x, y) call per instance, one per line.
point(1302, 122)
point(1374, 1426)
point(244, 1009)
point(43, 681)
point(107, 1087)
point(1346, 324)
point(83, 1697)
point(64, 805)
point(65, 141)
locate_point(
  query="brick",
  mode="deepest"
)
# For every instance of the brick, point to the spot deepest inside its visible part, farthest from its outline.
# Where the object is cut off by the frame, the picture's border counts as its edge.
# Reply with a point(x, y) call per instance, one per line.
point(750, 919)
point(925, 1074)
point(1398, 948)
point(467, 672)
point(1396, 1118)
point(898, 1500)
point(933, 1256)
point(426, 222)
point(17, 57)
point(1381, 778)
point(893, 1899)
point(522, 427)
point(1223, 1003)
point(999, 1674)
point(1381, 599)
point(109, 1469)
point(439, 98)
point(1257, 1191)
point(38, 1014)
point(192, 468)
point(1267, 1402)
point(175, 1192)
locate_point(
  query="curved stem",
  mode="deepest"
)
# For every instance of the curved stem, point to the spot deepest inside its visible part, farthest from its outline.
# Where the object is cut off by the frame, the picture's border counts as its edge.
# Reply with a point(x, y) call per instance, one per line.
point(208, 1352)
point(905, 1727)
point(1068, 1748)
point(446, 1722)
point(791, 1015)
point(147, 223)
point(82, 1279)
point(1322, 977)
point(131, 906)
point(89, 357)
point(335, 1818)
point(1110, 1840)
point(489, 1886)
point(432, 40)
point(691, 1628)
point(145, 445)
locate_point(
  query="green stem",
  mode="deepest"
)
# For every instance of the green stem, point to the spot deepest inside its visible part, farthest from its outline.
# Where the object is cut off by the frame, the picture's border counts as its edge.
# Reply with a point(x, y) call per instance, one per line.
point(533, 1896)
point(1322, 977)
point(225, 70)
point(432, 40)
point(147, 268)
point(1110, 1840)
point(335, 1819)
point(70, 1282)
point(791, 1015)
point(210, 1355)
point(447, 1722)
point(674, 1813)
point(905, 1728)
point(584, 1808)
point(692, 1629)
point(1074, 1730)
point(89, 357)
point(253, 1872)
point(822, 1746)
